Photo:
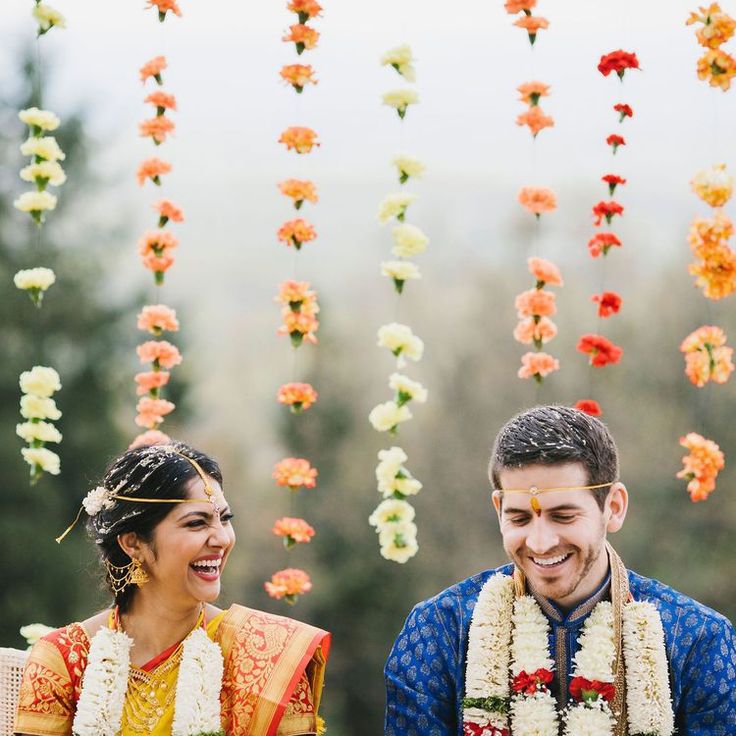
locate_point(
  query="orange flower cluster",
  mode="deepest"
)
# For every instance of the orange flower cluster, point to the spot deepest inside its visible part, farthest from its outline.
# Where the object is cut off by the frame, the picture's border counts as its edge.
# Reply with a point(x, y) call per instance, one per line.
point(534, 118)
point(601, 243)
point(288, 584)
point(156, 251)
point(601, 350)
point(715, 66)
point(617, 61)
point(701, 466)
point(537, 200)
point(153, 169)
point(299, 139)
point(148, 438)
point(295, 472)
point(305, 9)
point(294, 531)
point(157, 319)
point(609, 302)
point(532, 24)
point(707, 358)
point(298, 76)
point(296, 232)
point(537, 366)
point(297, 396)
point(157, 128)
point(167, 210)
point(299, 190)
point(163, 7)
point(302, 36)
point(606, 210)
point(153, 68)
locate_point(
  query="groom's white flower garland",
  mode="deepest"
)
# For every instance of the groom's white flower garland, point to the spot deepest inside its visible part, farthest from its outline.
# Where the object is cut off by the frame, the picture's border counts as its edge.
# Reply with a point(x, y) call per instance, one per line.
point(105, 682)
point(509, 669)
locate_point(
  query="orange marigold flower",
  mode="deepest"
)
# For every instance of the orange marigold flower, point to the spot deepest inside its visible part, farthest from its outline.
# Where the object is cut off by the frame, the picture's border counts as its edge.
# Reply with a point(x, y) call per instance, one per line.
point(589, 406)
point(293, 531)
point(545, 272)
point(164, 6)
point(167, 210)
point(617, 61)
point(151, 382)
point(537, 366)
point(601, 243)
point(299, 190)
point(148, 438)
point(517, 6)
point(297, 396)
point(535, 119)
point(288, 584)
point(609, 302)
point(535, 303)
point(152, 168)
point(538, 200)
point(535, 330)
point(153, 68)
point(296, 232)
point(531, 92)
point(302, 140)
point(701, 466)
point(707, 234)
point(157, 318)
point(302, 36)
point(624, 111)
point(157, 128)
point(613, 181)
point(601, 350)
point(294, 293)
point(295, 472)
point(161, 101)
point(299, 326)
point(305, 9)
point(159, 352)
point(532, 24)
point(298, 76)
point(606, 210)
point(615, 141)
point(717, 68)
point(716, 275)
point(151, 412)
point(714, 186)
point(718, 27)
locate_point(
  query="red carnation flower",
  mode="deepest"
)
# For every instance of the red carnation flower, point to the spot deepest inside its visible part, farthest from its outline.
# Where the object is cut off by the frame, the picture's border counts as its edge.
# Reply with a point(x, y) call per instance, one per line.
point(613, 181)
point(609, 302)
point(589, 407)
point(601, 243)
point(607, 210)
point(601, 350)
point(530, 684)
point(589, 691)
point(615, 141)
point(617, 61)
point(624, 111)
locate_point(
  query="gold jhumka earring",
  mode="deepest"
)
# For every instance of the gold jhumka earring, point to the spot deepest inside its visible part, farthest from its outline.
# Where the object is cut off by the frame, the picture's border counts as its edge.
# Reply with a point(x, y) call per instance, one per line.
point(130, 574)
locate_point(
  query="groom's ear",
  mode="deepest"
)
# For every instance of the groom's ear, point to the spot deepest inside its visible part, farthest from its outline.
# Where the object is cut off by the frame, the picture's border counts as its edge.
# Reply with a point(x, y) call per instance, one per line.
point(497, 501)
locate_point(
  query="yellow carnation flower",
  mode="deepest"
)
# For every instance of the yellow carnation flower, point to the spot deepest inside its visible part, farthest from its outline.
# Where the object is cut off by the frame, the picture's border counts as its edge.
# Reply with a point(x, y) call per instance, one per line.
point(48, 461)
point(394, 205)
point(35, 407)
point(34, 278)
point(45, 148)
point(407, 389)
point(401, 341)
point(39, 120)
point(390, 514)
point(387, 416)
point(41, 431)
point(714, 186)
point(409, 241)
point(43, 173)
point(47, 17)
point(400, 99)
point(408, 166)
point(40, 381)
point(400, 58)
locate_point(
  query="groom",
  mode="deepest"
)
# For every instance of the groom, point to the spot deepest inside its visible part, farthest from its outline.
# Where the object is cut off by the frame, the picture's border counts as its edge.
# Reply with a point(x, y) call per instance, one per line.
point(556, 493)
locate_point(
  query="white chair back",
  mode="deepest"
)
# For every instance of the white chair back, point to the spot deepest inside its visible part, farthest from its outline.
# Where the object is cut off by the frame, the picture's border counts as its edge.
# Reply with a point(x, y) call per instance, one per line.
point(12, 662)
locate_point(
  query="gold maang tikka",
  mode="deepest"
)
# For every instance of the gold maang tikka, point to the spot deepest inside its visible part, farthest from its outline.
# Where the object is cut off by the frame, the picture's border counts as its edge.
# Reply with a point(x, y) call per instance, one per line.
point(534, 492)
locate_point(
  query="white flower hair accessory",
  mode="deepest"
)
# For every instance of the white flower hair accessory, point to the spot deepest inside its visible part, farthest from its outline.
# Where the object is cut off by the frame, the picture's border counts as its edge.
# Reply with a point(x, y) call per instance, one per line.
point(98, 499)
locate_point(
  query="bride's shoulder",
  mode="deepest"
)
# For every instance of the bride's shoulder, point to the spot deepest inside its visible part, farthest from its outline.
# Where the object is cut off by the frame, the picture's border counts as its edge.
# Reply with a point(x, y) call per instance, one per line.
point(94, 623)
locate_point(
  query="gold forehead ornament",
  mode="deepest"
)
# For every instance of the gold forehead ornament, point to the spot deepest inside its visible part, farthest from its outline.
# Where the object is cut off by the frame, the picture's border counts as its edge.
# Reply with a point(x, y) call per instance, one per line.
point(534, 491)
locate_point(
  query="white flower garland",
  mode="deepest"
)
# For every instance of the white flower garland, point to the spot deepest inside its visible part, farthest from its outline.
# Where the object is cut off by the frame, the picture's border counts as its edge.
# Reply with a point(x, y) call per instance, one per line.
point(508, 638)
point(105, 682)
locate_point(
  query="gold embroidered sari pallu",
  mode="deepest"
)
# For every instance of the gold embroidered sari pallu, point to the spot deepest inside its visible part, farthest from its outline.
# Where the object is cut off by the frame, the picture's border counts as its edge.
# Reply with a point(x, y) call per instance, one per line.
point(272, 686)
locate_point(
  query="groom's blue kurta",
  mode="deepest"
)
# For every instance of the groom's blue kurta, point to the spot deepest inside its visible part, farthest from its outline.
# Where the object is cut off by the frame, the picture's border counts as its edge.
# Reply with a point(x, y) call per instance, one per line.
point(425, 672)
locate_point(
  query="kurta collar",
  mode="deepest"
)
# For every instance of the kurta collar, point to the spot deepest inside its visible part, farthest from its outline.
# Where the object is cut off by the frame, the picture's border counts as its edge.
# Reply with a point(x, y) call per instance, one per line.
point(553, 612)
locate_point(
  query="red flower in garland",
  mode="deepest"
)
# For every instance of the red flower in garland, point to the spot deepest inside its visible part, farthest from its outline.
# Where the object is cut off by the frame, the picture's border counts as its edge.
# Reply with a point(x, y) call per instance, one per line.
point(617, 61)
point(601, 243)
point(589, 691)
point(624, 111)
point(601, 350)
point(535, 682)
point(615, 141)
point(589, 407)
point(475, 729)
point(607, 210)
point(613, 180)
point(609, 302)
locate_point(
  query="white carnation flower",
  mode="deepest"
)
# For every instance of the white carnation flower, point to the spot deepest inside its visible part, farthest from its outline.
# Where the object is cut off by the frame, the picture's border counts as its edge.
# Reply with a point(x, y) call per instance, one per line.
point(33, 632)
point(44, 172)
point(384, 417)
point(35, 202)
point(400, 58)
point(400, 99)
point(400, 270)
point(407, 485)
point(408, 166)
point(34, 278)
point(390, 513)
point(97, 500)
point(48, 461)
point(409, 241)
point(394, 205)
point(40, 381)
point(36, 407)
point(407, 389)
point(48, 17)
point(399, 546)
point(401, 341)
point(42, 119)
point(42, 431)
point(45, 148)
point(393, 476)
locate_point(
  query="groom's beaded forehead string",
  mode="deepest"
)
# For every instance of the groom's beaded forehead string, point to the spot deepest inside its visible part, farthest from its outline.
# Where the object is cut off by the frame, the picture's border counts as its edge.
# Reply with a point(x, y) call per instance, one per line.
point(534, 491)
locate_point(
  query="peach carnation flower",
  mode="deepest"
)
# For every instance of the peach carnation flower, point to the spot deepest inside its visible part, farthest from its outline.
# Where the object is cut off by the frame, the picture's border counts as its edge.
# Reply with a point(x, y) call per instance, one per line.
point(705, 235)
point(297, 396)
point(152, 168)
point(706, 356)
point(532, 24)
point(299, 190)
point(288, 584)
point(701, 466)
point(164, 6)
point(151, 412)
point(589, 406)
point(609, 302)
point(717, 68)
point(159, 264)
point(157, 318)
point(517, 6)
point(606, 210)
point(153, 68)
point(305, 9)
point(298, 76)
point(157, 241)
point(151, 381)
point(302, 36)
point(537, 366)
point(296, 232)
point(716, 275)
point(157, 128)
point(718, 27)
point(545, 272)
point(167, 210)
point(148, 438)
point(299, 326)
point(294, 293)
point(537, 330)
point(706, 337)
point(538, 200)
point(601, 243)
point(535, 303)
point(714, 186)
point(301, 139)
point(295, 472)
point(531, 92)
point(161, 101)
point(535, 119)
point(159, 352)
point(293, 531)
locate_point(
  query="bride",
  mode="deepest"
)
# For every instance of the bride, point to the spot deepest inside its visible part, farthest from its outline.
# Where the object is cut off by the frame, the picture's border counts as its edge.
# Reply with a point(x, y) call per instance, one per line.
point(163, 659)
